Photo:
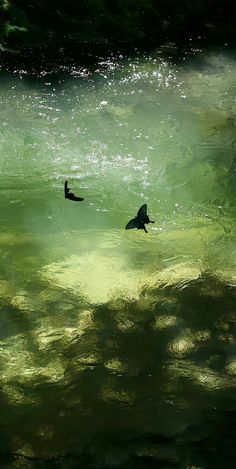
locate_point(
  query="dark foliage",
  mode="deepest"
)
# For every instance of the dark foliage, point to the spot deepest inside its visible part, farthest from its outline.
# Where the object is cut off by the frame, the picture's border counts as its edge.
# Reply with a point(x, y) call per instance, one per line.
point(30, 23)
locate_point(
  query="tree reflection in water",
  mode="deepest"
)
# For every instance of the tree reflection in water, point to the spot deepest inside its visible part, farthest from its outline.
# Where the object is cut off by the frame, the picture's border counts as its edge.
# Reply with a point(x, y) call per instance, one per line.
point(134, 383)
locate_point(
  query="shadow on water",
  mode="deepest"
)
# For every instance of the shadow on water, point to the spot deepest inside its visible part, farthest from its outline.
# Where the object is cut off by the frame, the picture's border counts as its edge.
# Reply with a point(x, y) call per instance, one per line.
point(136, 383)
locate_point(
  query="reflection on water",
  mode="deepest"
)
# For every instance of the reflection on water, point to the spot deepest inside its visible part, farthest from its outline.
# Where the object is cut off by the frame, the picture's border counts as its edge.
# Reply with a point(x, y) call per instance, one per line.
point(117, 349)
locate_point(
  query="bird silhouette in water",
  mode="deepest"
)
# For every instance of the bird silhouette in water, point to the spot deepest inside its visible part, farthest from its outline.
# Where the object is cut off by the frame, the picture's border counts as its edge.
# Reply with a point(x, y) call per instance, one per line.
point(140, 220)
point(70, 195)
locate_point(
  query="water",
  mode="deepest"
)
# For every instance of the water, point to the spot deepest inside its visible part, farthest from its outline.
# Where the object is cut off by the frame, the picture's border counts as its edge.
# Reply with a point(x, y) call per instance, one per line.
point(118, 347)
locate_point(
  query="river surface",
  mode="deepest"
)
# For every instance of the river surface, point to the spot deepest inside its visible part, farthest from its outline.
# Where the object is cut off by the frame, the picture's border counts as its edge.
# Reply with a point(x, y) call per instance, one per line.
point(117, 347)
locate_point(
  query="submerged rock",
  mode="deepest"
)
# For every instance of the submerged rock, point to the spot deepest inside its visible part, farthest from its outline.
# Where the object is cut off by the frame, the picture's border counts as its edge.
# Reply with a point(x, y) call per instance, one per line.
point(49, 338)
point(100, 277)
point(164, 321)
point(97, 277)
point(24, 301)
point(5, 290)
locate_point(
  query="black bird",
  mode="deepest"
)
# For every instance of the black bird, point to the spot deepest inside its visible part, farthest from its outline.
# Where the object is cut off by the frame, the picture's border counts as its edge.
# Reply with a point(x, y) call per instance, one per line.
point(70, 195)
point(140, 220)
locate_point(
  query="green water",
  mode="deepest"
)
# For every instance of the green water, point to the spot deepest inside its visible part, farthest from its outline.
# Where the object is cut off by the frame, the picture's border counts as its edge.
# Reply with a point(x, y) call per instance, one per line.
point(117, 348)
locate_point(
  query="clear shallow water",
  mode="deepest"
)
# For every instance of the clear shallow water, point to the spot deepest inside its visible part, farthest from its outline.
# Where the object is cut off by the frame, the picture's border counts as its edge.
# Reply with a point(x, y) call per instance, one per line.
point(118, 347)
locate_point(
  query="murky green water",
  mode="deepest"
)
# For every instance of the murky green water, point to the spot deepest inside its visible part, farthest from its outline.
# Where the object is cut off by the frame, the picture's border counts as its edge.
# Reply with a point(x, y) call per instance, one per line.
point(117, 348)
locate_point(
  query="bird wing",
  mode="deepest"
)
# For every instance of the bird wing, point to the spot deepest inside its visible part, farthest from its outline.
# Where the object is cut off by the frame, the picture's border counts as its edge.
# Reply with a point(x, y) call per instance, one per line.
point(131, 224)
point(66, 190)
point(77, 198)
point(142, 213)
point(71, 195)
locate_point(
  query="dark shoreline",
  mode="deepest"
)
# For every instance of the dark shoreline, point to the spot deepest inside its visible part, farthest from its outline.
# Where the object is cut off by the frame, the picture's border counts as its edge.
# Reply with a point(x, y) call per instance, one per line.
point(211, 30)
